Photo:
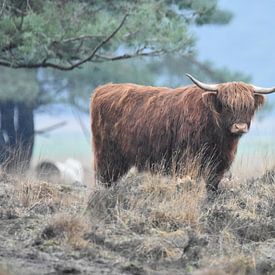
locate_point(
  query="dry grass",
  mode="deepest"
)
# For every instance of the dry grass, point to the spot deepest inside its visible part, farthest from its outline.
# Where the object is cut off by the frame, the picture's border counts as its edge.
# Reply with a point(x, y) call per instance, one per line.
point(158, 214)
point(230, 266)
point(31, 193)
point(159, 202)
point(67, 229)
point(58, 204)
point(151, 220)
point(27, 193)
point(168, 219)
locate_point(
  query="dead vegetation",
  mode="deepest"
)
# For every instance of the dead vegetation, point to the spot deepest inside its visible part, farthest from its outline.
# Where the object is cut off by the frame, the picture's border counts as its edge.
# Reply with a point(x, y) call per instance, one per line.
point(170, 221)
point(144, 224)
point(67, 229)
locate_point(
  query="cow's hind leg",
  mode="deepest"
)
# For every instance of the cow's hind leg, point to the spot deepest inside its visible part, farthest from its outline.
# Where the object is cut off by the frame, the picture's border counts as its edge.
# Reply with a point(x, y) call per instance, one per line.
point(111, 169)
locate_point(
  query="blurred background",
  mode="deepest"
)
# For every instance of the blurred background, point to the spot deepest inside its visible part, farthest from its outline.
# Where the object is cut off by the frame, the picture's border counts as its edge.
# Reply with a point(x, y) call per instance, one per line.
point(54, 53)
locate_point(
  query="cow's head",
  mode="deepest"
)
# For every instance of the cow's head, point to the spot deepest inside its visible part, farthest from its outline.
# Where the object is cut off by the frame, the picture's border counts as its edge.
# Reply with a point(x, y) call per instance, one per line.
point(233, 103)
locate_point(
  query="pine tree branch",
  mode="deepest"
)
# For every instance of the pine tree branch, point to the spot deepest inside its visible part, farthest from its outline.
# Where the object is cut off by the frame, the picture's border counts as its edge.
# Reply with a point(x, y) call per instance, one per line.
point(102, 58)
point(82, 37)
point(45, 64)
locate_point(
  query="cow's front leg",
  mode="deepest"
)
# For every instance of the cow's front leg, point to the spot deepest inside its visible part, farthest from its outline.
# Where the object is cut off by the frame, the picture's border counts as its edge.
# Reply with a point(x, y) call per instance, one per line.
point(213, 183)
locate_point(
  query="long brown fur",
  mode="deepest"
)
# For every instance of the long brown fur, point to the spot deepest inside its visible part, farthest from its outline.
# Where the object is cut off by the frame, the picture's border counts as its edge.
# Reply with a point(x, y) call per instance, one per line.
point(149, 127)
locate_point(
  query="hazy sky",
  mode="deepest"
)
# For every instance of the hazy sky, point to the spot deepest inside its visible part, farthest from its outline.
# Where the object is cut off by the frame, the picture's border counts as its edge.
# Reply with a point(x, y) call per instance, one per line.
point(247, 44)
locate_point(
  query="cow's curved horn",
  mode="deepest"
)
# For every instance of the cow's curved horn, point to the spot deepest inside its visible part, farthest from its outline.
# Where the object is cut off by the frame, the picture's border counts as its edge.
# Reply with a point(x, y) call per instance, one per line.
point(263, 91)
point(206, 87)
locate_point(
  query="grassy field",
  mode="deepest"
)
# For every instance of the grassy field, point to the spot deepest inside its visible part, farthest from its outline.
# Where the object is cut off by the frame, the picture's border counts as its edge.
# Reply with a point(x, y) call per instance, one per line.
point(146, 224)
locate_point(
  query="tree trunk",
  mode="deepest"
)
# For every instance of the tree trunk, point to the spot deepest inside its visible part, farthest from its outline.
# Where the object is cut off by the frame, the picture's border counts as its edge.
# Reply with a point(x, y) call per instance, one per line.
point(25, 134)
point(17, 136)
point(8, 134)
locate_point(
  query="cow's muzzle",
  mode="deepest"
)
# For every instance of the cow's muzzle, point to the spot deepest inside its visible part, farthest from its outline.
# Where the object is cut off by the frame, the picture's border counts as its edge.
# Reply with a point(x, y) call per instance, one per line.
point(239, 128)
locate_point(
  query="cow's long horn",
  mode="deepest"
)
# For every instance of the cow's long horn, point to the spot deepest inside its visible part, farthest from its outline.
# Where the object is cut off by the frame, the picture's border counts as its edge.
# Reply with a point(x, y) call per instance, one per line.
point(206, 87)
point(263, 91)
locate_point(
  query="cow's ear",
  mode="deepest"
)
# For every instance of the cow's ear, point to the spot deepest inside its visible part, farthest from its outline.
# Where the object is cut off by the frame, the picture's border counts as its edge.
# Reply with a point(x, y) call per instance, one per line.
point(259, 100)
point(211, 101)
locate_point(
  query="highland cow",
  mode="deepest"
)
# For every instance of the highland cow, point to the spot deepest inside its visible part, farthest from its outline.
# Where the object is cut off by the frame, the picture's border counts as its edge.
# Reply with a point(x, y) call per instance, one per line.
point(152, 127)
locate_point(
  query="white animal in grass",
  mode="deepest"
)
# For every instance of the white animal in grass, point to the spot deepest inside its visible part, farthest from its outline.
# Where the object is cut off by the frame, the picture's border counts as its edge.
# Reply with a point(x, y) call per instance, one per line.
point(69, 171)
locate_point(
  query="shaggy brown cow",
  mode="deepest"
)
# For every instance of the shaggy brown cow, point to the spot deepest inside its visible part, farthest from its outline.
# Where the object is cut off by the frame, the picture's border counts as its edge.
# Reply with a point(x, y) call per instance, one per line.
point(152, 127)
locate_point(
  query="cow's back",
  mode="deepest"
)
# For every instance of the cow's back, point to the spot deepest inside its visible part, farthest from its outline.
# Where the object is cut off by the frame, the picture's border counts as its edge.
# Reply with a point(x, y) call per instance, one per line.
point(132, 112)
